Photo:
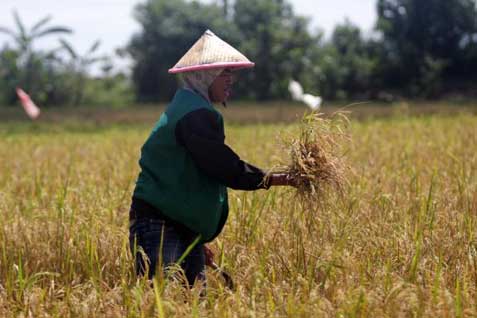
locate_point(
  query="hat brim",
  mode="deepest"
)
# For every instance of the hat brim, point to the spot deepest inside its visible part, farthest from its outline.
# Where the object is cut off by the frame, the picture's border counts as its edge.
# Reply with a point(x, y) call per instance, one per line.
point(232, 65)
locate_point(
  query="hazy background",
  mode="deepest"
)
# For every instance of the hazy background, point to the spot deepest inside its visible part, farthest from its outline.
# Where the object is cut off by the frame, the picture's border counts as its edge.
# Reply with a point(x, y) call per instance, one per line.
point(112, 20)
point(116, 53)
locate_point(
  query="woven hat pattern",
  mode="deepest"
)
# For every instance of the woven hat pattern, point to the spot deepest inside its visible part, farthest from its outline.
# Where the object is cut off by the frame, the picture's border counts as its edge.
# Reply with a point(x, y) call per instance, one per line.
point(211, 52)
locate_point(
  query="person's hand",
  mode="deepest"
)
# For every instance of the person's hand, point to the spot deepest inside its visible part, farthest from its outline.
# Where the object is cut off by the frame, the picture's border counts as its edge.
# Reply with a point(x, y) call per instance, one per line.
point(209, 256)
point(282, 179)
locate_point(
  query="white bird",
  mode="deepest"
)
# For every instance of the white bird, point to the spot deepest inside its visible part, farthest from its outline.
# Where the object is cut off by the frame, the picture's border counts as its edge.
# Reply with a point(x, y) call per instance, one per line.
point(314, 102)
point(296, 91)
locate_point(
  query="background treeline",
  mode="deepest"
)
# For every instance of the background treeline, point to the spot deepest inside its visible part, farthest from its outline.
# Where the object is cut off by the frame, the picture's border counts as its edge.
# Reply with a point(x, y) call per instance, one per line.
point(60, 75)
point(419, 49)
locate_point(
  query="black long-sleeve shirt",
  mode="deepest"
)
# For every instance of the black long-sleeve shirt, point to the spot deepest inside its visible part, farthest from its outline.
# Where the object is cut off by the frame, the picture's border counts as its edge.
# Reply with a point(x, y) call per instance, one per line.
point(201, 134)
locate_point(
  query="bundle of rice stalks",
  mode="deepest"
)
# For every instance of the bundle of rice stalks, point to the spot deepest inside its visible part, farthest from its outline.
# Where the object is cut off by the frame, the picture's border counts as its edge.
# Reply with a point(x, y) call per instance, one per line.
point(316, 160)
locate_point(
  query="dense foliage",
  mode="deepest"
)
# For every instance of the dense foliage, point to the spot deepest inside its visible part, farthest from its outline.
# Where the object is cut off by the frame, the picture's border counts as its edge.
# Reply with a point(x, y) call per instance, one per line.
point(422, 49)
point(419, 48)
point(427, 45)
point(59, 76)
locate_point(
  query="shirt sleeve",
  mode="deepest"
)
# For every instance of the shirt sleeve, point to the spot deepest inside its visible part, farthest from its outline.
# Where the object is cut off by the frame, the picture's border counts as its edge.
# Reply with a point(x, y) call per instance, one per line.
point(201, 133)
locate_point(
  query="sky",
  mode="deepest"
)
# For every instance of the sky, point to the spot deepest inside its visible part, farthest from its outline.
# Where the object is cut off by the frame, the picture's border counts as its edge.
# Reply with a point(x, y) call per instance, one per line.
point(112, 22)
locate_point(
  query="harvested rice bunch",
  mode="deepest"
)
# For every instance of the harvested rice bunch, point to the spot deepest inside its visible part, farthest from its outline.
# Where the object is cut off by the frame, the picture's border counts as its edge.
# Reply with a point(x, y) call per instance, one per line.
point(316, 157)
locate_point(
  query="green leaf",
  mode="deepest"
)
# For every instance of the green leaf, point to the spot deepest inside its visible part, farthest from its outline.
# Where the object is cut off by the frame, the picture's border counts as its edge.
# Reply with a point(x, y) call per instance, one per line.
point(67, 46)
point(7, 31)
point(20, 25)
point(95, 60)
point(52, 30)
point(40, 23)
point(94, 47)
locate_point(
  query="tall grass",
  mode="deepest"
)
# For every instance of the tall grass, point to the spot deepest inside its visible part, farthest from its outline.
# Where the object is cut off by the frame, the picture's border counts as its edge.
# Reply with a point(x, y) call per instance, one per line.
point(402, 242)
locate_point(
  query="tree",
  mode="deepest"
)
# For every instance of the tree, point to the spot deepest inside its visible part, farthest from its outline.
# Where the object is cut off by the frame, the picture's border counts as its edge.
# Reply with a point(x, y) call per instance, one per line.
point(355, 63)
point(8, 75)
point(24, 39)
point(276, 40)
point(80, 65)
point(423, 41)
point(31, 64)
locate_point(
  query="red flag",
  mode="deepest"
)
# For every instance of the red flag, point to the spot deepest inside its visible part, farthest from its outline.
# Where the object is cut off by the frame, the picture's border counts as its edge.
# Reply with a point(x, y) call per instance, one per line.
point(30, 108)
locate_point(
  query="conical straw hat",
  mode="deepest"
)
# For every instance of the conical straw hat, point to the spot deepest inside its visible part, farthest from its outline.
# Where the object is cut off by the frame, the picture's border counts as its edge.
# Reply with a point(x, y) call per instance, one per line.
point(211, 52)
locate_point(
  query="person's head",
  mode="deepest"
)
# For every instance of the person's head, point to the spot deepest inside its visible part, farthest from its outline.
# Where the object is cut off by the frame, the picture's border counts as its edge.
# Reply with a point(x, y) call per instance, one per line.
point(214, 85)
point(207, 67)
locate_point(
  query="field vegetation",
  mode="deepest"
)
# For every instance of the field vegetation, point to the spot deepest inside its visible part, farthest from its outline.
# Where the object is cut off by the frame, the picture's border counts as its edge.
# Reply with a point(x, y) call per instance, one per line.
point(400, 242)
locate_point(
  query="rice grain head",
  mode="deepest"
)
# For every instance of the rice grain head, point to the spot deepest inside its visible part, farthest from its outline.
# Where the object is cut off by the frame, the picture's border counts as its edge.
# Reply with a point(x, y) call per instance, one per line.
point(316, 160)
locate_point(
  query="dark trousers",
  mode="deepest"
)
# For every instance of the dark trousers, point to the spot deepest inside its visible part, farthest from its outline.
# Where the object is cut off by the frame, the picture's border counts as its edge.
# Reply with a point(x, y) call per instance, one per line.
point(163, 245)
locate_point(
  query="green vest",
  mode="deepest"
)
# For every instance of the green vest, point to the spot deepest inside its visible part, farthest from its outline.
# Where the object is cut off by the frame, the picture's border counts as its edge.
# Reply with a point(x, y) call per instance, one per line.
point(170, 180)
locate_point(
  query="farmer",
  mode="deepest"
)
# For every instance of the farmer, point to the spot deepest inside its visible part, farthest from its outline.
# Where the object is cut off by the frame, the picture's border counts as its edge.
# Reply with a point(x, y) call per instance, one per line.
point(180, 198)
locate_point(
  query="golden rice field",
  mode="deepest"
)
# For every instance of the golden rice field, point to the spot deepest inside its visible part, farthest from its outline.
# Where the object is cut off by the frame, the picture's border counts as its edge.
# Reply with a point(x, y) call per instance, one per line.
point(402, 242)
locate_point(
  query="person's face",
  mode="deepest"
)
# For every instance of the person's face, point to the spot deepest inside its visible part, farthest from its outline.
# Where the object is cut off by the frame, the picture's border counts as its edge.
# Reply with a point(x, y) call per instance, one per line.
point(221, 88)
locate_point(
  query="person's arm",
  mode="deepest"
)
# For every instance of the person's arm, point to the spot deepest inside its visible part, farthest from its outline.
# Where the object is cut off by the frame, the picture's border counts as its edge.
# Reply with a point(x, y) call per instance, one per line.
point(280, 179)
point(202, 135)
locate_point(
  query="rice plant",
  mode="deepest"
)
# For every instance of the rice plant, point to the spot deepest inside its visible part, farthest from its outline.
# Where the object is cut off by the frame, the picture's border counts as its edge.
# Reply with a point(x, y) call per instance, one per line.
point(400, 241)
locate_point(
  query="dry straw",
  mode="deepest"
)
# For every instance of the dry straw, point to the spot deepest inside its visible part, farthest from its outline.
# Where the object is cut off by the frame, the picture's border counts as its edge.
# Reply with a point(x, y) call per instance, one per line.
point(316, 161)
